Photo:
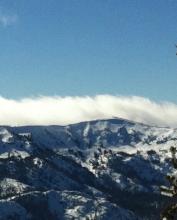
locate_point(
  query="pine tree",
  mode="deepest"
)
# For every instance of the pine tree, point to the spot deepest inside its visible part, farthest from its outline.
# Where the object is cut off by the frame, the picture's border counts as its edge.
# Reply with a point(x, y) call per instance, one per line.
point(170, 212)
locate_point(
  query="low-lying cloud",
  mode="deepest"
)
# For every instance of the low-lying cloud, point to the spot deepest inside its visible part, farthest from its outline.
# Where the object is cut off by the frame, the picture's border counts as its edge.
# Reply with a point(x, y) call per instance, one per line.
point(66, 110)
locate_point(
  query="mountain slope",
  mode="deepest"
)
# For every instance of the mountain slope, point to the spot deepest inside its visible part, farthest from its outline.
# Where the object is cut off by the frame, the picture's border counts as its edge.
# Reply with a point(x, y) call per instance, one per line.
point(103, 169)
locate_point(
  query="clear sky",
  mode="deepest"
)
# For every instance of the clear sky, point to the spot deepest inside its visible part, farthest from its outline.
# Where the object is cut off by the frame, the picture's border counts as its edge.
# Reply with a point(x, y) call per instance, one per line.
point(88, 47)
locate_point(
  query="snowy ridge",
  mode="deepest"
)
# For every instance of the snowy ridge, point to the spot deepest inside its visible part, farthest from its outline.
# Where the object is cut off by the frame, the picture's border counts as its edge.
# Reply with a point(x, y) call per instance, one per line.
point(106, 169)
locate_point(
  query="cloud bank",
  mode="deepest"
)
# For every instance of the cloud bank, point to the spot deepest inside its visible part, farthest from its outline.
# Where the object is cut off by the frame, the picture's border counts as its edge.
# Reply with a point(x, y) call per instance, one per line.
point(67, 110)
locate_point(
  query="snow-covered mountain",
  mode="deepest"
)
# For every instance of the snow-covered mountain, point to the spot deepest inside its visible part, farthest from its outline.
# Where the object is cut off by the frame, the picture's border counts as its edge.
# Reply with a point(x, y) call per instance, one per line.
point(103, 169)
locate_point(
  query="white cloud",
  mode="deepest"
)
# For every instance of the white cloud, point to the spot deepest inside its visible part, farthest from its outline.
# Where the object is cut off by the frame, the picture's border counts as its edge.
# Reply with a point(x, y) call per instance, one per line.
point(7, 20)
point(66, 110)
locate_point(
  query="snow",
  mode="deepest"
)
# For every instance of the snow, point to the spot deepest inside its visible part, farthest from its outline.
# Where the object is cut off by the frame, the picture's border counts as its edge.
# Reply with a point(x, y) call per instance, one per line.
point(6, 136)
point(11, 186)
point(16, 153)
point(38, 162)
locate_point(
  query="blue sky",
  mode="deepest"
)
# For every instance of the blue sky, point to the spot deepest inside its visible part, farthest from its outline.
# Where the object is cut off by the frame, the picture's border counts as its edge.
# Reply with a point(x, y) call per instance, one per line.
point(88, 47)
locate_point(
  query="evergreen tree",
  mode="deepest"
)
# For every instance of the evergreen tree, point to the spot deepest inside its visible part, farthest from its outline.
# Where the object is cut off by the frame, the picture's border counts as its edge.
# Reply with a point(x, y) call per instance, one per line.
point(170, 212)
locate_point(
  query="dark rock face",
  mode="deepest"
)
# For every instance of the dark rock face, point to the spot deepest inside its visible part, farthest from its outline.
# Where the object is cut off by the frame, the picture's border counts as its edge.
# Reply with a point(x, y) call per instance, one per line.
point(108, 169)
